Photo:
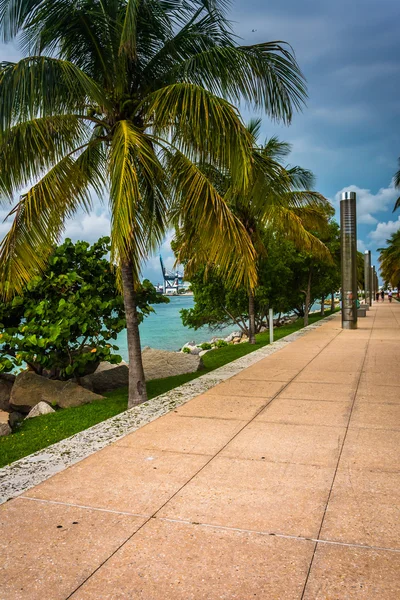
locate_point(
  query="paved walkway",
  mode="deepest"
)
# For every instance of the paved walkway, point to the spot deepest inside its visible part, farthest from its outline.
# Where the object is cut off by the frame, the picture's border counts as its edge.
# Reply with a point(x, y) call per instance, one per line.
point(280, 483)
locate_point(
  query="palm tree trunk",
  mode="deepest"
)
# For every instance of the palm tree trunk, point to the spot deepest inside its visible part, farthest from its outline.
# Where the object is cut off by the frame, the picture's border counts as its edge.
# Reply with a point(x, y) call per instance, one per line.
point(323, 305)
point(137, 384)
point(333, 302)
point(307, 302)
point(252, 319)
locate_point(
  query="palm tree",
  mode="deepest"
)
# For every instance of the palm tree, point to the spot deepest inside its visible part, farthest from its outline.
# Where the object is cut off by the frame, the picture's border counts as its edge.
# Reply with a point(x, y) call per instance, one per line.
point(390, 260)
point(277, 197)
point(124, 98)
point(397, 185)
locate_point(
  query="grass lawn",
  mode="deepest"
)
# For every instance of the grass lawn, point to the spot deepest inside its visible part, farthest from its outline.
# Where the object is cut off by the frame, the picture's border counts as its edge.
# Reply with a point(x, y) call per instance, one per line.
point(35, 434)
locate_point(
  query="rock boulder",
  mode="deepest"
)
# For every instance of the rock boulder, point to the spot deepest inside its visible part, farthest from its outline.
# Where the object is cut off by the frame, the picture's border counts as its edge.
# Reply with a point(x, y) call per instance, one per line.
point(107, 377)
point(40, 409)
point(5, 428)
point(29, 389)
point(162, 363)
point(6, 383)
point(157, 364)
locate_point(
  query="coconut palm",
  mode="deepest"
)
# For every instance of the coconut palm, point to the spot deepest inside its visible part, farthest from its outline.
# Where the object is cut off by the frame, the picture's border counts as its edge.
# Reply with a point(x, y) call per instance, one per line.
point(123, 98)
point(397, 185)
point(390, 260)
point(277, 197)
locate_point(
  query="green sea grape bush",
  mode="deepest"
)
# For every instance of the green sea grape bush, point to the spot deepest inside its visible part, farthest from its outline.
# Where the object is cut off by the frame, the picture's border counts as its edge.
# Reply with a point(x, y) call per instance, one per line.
point(68, 319)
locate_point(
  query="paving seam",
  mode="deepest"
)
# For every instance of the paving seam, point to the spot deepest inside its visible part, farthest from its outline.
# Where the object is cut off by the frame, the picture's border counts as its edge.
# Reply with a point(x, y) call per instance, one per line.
point(279, 535)
point(211, 525)
point(338, 461)
point(153, 516)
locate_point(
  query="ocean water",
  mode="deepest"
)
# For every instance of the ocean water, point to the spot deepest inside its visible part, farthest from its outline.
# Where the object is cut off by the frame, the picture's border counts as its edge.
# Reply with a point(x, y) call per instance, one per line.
point(164, 329)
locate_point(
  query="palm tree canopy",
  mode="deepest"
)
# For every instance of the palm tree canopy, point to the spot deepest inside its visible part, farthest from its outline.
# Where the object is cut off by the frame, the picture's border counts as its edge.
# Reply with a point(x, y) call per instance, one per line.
point(277, 197)
point(390, 260)
point(127, 97)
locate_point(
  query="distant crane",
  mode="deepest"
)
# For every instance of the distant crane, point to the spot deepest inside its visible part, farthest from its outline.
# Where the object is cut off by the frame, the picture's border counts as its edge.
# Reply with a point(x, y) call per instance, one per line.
point(172, 280)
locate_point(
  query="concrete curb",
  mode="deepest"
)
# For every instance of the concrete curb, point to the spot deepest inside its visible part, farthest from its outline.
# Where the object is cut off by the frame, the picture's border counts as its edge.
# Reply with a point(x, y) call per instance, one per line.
point(27, 472)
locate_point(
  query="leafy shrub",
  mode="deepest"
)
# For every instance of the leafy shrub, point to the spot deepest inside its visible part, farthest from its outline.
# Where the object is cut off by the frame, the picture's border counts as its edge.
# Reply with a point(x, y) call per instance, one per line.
point(220, 344)
point(206, 346)
point(186, 350)
point(69, 317)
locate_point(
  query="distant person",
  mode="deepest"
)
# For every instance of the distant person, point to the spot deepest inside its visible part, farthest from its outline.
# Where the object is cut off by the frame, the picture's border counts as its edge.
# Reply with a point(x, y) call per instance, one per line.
point(383, 295)
point(377, 296)
point(390, 294)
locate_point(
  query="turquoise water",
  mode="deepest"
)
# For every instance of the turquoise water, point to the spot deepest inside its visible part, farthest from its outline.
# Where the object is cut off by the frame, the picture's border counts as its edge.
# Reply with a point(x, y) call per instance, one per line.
point(164, 329)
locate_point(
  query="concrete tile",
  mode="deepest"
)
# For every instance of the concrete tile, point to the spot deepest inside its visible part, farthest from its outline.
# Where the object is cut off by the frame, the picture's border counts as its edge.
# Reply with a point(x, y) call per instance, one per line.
point(337, 363)
point(375, 415)
point(176, 433)
point(123, 479)
point(306, 412)
point(257, 495)
point(319, 391)
point(239, 387)
point(384, 394)
point(364, 509)
point(47, 550)
point(179, 561)
point(386, 377)
point(312, 375)
point(343, 573)
point(275, 442)
point(263, 371)
point(371, 449)
point(222, 407)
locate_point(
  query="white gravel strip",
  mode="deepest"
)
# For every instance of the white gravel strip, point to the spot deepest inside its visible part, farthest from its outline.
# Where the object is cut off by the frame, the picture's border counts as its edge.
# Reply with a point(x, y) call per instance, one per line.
point(23, 474)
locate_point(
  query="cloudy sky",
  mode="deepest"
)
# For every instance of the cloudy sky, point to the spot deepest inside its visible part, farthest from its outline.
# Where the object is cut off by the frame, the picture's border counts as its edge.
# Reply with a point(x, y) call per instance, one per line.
point(348, 134)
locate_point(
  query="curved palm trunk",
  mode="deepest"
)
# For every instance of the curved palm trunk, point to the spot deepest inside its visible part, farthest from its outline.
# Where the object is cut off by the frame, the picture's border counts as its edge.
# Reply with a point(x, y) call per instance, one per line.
point(308, 299)
point(137, 383)
point(323, 305)
point(333, 302)
point(252, 319)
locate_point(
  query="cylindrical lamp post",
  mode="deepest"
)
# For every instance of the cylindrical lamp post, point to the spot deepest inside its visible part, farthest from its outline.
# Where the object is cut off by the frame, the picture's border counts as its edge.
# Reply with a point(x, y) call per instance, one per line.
point(370, 279)
point(348, 250)
point(367, 284)
point(371, 274)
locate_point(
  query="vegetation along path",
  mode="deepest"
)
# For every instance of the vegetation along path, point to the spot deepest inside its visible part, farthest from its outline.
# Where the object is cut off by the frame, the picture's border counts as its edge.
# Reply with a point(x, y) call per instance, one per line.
point(280, 482)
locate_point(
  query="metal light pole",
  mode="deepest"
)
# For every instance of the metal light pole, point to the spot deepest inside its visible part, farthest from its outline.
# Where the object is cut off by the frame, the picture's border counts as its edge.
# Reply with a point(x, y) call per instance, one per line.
point(348, 250)
point(370, 279)
point(371, 274)
point(367, 278)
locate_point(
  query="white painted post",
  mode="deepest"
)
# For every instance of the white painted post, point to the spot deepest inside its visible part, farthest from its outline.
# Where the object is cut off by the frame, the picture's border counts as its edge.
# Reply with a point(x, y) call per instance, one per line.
point(271, 325)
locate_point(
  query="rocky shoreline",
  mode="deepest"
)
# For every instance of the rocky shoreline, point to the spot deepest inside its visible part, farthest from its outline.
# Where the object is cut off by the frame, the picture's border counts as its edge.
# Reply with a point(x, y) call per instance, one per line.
point(237, 337)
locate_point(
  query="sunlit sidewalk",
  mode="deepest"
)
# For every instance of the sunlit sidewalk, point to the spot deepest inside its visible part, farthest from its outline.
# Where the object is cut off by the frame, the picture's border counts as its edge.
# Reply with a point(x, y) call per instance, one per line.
point(280, 483)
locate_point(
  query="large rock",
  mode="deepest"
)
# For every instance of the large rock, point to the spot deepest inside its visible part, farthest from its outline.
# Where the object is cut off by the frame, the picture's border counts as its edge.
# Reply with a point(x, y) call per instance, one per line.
point(6, 383)
point(107, 377)
point(40, 409)
point(5, 428)
point(157, 364)
point(161, 363)
point(29, 389)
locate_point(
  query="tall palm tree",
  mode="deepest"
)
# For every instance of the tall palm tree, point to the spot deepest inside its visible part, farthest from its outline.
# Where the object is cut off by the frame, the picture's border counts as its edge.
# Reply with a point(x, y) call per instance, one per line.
point(125, 98)
point(397, 185)
point(390, 260)
point(277, 197)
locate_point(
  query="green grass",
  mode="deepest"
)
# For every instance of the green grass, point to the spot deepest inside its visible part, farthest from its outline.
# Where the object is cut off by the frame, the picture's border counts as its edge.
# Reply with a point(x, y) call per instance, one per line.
point(36, 434)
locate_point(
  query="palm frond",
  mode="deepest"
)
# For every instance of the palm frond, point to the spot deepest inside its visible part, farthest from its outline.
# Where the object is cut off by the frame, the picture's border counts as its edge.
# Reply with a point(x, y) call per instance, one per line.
point(209, 223)
point(30, 148)
point(203, 126)
point(264, 75)
point(128, 34)
point(40, 86)
point(40, 215)
point(133, 168)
